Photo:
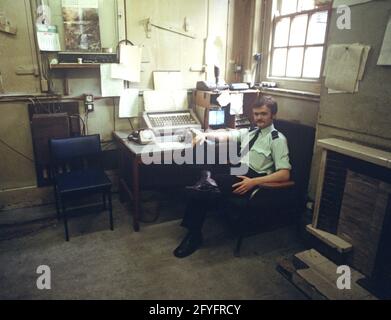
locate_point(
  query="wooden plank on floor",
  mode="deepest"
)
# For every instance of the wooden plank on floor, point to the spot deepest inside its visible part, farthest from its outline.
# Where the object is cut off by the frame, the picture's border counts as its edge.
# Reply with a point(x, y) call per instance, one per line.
point(317, 276)
point(288, 270)
point(330, 239)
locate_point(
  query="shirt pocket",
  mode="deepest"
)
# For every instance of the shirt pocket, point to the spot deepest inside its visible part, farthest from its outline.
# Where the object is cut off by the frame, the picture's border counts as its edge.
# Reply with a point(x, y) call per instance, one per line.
point(262, 152)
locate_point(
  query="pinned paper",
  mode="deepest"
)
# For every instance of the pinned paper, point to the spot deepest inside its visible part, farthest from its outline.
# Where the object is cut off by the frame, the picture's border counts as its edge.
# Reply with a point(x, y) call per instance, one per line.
point(385, 53)
point(128, 103)
point(48, 41)
point(224, 99)
point(345, 67)
point(236, 104)
point(109, 87)
point(155, 101)
point(167, 80)
point(129, 68)
point(125, 72)
point(130, 55)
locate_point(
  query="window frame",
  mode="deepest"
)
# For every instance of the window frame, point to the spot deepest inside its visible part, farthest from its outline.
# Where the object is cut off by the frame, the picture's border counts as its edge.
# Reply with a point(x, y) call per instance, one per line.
point(305, 84)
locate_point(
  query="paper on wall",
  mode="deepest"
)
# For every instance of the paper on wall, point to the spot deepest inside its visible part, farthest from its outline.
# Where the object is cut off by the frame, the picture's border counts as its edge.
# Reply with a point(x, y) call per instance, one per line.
point(125, 72)
point(130, 55)
point(180, 99)
point(331, 91)
point(167, 80)
point(236, 103)
point(224, 99)
point(48, 41)
point(343, 67)
point(128, 103)
point(363, 64)
point(365, 52)
point(129, 68)
point(385, 53)
point(175, 100)
point(109, 87)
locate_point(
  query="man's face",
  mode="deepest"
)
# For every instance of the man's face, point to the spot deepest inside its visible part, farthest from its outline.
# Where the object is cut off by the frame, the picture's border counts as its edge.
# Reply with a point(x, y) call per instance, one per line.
point(263, 117)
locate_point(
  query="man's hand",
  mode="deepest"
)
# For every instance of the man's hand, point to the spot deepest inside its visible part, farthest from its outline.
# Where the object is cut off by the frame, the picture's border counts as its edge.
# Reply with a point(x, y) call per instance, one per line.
point(198, 137)
point(244, 186)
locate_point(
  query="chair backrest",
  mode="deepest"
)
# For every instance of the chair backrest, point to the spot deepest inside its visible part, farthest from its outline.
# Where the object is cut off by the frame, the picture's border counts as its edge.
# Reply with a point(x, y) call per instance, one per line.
point(82, 150)
point(301, 140)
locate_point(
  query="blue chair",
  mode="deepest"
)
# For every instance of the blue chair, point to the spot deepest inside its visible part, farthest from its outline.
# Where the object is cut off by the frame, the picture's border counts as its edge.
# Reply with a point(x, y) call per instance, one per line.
point(77, 172)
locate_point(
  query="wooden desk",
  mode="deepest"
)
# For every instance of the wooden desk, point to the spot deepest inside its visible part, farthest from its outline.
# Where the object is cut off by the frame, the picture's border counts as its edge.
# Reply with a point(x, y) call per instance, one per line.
point(132, 164)
point(131, 155)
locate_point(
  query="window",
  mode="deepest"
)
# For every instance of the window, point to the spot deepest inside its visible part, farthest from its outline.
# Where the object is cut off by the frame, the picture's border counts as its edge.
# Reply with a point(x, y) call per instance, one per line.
point(298, 38)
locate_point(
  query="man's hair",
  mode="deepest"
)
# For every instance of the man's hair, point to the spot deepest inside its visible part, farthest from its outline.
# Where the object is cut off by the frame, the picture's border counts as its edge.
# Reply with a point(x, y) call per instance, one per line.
point(268, 102)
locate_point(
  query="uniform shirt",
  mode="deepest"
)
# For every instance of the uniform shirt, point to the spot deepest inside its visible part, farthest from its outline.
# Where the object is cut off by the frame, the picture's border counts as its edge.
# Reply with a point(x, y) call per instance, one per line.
point(269, 152)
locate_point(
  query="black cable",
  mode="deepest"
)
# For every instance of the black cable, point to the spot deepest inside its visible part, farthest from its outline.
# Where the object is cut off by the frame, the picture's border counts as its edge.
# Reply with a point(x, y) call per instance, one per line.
point(86, 122)
point(114, 112)
point(77, 116)
point(131, 124)
point(16, 151)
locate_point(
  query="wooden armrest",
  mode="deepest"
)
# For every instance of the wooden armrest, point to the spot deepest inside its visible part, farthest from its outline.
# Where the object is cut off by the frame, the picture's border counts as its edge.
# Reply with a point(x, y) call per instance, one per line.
point(277, 185)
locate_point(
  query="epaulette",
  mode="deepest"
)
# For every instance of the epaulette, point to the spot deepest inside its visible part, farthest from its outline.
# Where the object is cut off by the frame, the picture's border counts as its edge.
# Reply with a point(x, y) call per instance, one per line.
point(274, 134)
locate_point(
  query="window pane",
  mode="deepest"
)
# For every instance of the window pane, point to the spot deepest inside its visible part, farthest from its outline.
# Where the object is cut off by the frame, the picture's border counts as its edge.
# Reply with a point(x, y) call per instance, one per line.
point(298, 30)
point(279, 62)
point(317, 28)
point(295, 62)
point(282, 33)
point(288, 6)
point(305, 5)
point(312, 62)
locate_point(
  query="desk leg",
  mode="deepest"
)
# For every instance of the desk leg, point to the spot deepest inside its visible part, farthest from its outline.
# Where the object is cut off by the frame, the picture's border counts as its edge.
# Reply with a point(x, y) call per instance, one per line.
point(122, 183)
point(136, 194)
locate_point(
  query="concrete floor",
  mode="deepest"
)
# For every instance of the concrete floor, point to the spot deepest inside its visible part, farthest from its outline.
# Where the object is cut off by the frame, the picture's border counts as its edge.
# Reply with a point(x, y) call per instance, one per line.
point(101, 264)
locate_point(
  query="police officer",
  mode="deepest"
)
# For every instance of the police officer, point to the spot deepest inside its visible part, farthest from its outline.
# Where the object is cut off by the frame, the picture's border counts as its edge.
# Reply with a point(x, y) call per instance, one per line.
point(265, 158)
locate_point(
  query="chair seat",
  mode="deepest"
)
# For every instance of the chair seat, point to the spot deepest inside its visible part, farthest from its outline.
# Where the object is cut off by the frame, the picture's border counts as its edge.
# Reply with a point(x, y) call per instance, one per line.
point(88, 179)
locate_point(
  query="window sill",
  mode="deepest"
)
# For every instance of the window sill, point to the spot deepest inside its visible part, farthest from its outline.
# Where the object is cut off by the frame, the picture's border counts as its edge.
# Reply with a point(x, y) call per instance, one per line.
point(296, 94)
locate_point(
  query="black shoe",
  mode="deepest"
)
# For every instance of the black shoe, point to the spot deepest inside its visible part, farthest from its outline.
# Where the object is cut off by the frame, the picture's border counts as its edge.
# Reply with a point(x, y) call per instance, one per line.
point(188, 246)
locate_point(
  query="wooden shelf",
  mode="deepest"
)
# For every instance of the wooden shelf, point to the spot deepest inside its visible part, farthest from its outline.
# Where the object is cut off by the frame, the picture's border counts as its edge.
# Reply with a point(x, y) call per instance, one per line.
point(62, 66)
point(359, 151)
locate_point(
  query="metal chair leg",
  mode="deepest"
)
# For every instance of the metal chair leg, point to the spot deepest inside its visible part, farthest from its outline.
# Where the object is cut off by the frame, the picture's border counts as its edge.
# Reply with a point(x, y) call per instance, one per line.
point(57, 205)
point(238, 246)
point(104, 201)
point(65, 220)
point(111, 212)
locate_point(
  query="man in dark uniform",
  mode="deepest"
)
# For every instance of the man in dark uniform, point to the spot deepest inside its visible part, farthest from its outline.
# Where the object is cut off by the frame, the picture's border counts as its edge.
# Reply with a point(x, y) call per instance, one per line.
point(264, 154)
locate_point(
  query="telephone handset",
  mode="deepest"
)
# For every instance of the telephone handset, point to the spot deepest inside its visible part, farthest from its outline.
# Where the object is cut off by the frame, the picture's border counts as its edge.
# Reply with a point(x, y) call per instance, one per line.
point(142, 136)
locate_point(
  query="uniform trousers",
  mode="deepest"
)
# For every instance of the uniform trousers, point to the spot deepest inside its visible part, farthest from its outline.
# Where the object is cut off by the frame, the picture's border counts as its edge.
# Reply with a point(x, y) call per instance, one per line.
point(199, 202)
